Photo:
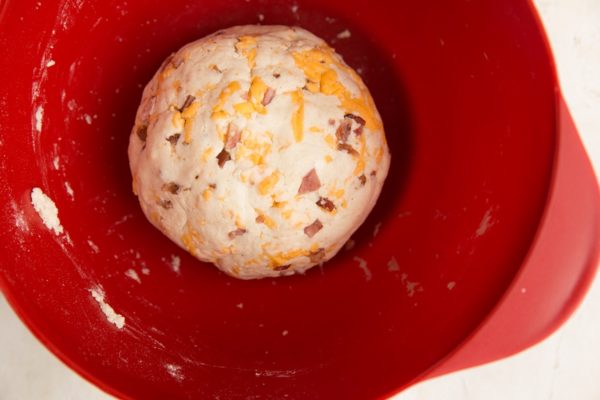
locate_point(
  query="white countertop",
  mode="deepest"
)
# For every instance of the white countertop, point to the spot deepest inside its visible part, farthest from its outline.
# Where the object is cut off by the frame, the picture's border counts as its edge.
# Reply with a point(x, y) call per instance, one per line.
point(565, 366)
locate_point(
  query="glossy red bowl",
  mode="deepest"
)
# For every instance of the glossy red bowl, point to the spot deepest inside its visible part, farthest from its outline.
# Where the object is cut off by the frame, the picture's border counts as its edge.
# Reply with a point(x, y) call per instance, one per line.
point(484, 240)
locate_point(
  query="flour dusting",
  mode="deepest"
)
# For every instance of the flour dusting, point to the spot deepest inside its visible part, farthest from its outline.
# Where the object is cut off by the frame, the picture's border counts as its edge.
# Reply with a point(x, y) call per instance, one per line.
point(376, 229)
point(176, 264)
point(392, 265)
point(345, 34)
point(39, 116)
point(451, 285)
point(69, 190)
point(485, 224)
point(56, 163)
point(411, 287)
point(133, 275)
point(50, 63)
point(362, 264)
point(93, 246)
point(175, 371)
point(47, 210)
point(112, 317)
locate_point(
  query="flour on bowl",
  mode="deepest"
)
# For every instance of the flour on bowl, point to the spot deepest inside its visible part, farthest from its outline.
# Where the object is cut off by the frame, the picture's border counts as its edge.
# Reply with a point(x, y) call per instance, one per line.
point(112, 317)
point(175, 371)
point(362, 264)
point(93, 246)
point(69, 190)
point(176, 264)
point(39, 116)
point(345, 34)
point(47, 210)
point(393, 265)
point(131, 273)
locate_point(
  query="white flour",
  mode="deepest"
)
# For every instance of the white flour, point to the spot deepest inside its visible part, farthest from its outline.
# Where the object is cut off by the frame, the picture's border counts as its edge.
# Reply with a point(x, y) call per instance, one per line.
point(39, 116)
point(393, 265)
point(131, 273)
point(176, 264)
point(112, 317)
point(47, 210)
point(362, 264)
point(174, 371)
point(345, 34)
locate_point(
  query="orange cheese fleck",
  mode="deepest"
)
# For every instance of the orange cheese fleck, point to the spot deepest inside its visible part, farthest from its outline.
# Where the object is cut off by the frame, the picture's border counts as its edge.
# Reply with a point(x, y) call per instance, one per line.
point(246, 45)
point(206, 154)
point(317, 67)
point(282, 257)
point(268, 183)
point(298, 115)
point(218, 111)
point(188, 115)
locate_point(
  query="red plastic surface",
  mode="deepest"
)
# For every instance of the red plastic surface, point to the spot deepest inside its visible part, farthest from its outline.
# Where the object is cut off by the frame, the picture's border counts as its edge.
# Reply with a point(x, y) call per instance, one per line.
point(489, 192)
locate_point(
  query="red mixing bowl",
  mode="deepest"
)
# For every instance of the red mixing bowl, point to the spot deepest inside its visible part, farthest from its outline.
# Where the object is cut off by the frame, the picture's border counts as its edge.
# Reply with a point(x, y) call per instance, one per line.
point(483, 241)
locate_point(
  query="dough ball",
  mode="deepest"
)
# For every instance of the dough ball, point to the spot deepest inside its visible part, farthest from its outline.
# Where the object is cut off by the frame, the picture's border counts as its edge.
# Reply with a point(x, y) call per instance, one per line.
point(259, 150)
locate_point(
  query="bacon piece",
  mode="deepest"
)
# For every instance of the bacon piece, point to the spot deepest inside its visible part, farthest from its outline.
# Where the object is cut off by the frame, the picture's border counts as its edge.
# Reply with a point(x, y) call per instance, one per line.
point(343, 131)
point(282, 267)
point(362, 179)
point(171, 187)
point(173, 139)
point(358, 119)
point(312, 229)
point(347, 148)
point(233, 137)
point(142, 132)
point(268, 97)
point(238, 232)
point(317, 256)
point(166, 204)
point(188, 102)
point(223, 157)
point(326, 204)
point(310, 182)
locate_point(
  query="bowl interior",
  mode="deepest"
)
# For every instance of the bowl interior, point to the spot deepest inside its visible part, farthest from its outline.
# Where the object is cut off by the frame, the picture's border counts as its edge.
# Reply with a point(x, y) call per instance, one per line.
point(466, 92)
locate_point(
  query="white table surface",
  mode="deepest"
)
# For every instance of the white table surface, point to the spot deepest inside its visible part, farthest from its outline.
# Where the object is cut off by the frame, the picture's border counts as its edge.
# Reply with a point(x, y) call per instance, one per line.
point(566, 366)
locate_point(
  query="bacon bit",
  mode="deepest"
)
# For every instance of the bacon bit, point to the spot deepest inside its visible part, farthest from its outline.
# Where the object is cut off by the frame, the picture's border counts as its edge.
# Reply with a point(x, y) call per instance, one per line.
point(216, 68)
point(362, 179)
point(373, 173)
point(347, 148)
point(213, 186)
point(223, 157)
point(167, 62)
point(260, 219)
point(170, 61)
point(359, 131)
point(238, 232)
point(173, 139)
point(166, 204)
point(331, 121)
point(276, 75)
point(282, 267)
point(188, 102)
point(171, 187)
point(233, 136)
point(142, 132)
point(359, 120)
point(310, 182)
point(312, 229)
point(326, 204)
point(317, 256)
point(343, 131)
point(268, 97)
